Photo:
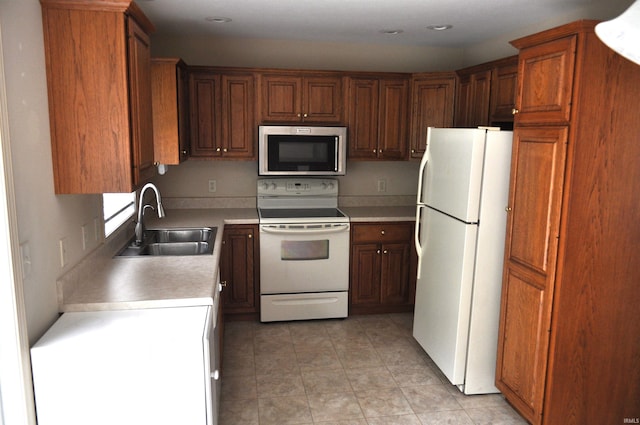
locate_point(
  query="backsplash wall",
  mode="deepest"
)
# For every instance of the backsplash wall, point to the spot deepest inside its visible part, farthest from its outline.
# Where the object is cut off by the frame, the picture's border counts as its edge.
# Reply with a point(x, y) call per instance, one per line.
point(238, 179)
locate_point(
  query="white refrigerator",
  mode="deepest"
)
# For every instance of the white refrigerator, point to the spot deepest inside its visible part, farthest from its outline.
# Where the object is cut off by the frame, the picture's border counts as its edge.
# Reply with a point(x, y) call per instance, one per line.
point(460, 233)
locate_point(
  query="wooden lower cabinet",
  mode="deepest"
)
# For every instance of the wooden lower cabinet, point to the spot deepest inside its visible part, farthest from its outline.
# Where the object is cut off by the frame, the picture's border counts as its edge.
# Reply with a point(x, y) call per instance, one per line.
point(383, 268)
point(239, 271)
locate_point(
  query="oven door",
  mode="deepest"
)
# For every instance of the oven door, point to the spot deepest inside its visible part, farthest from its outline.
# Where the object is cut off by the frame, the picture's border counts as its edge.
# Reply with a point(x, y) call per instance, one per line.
point(304, 258)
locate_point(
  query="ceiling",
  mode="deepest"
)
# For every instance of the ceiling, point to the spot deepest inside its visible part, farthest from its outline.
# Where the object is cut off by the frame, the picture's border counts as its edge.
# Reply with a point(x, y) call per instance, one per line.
point(357, 21)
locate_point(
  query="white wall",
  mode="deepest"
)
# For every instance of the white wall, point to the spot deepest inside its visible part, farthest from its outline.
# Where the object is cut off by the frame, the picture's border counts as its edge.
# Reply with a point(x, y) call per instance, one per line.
point(43, 218)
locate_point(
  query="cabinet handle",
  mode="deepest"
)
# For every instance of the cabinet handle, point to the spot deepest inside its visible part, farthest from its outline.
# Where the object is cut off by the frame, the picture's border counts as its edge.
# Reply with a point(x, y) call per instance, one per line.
point(515, 111)
point(508, 209)
point(223, 283)
point(215, 375)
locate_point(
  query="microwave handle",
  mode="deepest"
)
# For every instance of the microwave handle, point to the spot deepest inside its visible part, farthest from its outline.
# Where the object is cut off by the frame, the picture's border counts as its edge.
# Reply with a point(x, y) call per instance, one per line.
point(335, 155)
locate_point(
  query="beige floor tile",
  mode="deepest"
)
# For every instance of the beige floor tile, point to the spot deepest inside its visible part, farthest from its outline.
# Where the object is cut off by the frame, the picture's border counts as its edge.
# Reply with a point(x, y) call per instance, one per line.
point(284, 410)
point(359, 357)
point(239, 412)
point(268, 363)
point(495, 415)
point(407, 375)
point(369, 378)
point(449, 417)
point(395, 420)
point(238, 365)
point(334, 407)
point(383, 402)
point(319, 359)
point(429, 398)
point(326, 381)
point(280, 385)
point(239, 387)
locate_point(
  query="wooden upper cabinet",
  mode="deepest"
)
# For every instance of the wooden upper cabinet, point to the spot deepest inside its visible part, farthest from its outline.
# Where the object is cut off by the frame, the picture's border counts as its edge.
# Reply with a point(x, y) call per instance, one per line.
point(472, 105)
point(533, 228)
point(301, 98)
point(432, 98)
point(547, 72)
point(99, 89)
point(222, 114)
point(170, 94)
point(504, 81)
point(378, 118)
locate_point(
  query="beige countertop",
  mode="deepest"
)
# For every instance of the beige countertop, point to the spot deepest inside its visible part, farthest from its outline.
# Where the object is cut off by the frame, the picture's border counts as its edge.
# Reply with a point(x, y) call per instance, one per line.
point(104, 282)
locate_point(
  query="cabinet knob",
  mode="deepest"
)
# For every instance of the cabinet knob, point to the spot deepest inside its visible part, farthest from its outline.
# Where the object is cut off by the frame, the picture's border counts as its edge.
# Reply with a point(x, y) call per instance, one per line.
point(215, 375)
point(250, 236)
point(305, 115)
point(217, 149)
point(375, 150)
point(378, 252)
point(382, 232)
point(224, 150)
point(184, 152)
point(385, 252)
point(515, 111)
point(299, 115)
point(508, 209)
point(223, 283)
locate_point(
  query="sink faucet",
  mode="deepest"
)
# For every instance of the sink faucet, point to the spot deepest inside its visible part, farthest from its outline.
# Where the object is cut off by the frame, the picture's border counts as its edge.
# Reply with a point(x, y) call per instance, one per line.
point(160, 211)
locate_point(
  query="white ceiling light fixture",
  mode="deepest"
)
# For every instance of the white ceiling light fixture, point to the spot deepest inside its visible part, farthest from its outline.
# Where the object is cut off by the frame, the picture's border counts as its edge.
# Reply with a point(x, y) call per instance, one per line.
point(218, 19)
point(443, 27)
point(391, 32)
point(622, 34)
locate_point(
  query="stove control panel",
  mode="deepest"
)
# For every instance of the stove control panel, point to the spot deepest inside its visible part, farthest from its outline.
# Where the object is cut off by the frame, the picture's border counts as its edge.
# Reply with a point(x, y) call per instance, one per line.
point(298, 187)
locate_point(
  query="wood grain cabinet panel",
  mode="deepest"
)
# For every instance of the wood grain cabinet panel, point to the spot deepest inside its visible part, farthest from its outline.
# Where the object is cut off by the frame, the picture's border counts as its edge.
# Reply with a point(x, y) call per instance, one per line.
point(432, 97)
point(99, 90)
point(378, 118)
point(170, 95)
point(569, 338)
point(383, 268)
point(301, 97)
point(239, 270)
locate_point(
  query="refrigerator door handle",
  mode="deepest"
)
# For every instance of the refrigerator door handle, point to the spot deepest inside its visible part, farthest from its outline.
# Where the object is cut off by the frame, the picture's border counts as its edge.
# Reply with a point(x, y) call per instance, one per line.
point(419, 207)
point(423, 167)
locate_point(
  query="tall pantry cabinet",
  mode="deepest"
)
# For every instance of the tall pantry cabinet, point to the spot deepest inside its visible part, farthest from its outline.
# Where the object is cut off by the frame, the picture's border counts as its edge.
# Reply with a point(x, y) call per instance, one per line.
point(569, 343)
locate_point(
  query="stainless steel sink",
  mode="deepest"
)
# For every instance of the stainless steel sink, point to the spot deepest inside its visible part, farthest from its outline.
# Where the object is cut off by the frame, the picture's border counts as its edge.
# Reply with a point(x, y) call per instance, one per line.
point(183, 241)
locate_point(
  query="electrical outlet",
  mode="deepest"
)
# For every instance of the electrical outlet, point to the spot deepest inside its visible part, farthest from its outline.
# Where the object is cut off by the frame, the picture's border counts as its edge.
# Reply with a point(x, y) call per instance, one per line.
point(212, 186)
point(382, 185)
point(63, 252)
point(85, 237)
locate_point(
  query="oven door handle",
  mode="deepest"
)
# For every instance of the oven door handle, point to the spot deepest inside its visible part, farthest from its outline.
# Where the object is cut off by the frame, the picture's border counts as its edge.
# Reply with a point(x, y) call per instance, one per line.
point(304, 231)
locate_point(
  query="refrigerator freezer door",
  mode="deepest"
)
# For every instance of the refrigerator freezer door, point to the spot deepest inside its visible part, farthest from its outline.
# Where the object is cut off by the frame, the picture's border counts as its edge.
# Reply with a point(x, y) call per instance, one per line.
point(443, 292)
point(453, 173)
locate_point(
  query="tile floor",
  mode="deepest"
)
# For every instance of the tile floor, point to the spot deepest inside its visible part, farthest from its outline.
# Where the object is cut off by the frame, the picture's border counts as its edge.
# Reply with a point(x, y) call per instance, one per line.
point(364, 370)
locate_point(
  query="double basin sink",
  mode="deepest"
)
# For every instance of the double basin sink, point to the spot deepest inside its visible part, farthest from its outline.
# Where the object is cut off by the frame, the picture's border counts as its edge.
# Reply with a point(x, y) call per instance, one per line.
point(178, 241)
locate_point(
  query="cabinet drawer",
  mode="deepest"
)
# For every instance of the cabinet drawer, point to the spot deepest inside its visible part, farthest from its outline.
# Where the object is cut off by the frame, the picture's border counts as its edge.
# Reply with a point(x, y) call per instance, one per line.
point(382, 232)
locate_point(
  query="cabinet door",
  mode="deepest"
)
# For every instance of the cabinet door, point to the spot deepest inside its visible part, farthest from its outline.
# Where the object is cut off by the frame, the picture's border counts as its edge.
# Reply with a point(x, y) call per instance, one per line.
point(393, 119)
point(170, 102)
point(395, 273)
point(205, 115)
point(544, 96)
point(238, 269)
point(140, 102)
point(238, 116)
point(363, 118)
point(322, 100)
point(432, 106)
point(463, 100)
point(479, 102)
point(365, 274)
point(537, 177)
point(503, 93)
point(281, 99)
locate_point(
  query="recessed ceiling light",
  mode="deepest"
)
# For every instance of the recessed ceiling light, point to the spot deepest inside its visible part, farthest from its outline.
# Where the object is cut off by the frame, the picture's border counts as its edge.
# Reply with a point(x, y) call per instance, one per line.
point(218, 19)
point(391, 32)
point(439, 27)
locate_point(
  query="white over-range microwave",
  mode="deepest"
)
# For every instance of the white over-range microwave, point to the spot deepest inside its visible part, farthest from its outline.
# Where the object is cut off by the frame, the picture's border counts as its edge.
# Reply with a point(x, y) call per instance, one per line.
point(302, 150)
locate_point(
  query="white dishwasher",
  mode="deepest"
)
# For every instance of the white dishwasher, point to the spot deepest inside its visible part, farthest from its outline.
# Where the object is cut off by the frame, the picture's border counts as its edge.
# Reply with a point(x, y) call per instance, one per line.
point(147, 366)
